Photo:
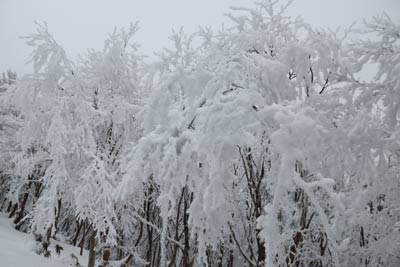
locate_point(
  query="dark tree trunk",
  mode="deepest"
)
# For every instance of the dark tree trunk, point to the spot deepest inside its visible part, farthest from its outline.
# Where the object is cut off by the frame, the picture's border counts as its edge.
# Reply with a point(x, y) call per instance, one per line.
point(148, 204)
point(57, 216)
point(175, 249)
point(83, 237)
point(9, 206)
point(21, 212)
point(13, 210)
point(78, 230)
point(92, 255)
point(106, 256)
point(186, 259)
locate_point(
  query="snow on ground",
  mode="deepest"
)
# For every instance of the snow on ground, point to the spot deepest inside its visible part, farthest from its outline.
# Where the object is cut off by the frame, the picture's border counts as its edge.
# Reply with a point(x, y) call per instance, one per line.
point(16, 249)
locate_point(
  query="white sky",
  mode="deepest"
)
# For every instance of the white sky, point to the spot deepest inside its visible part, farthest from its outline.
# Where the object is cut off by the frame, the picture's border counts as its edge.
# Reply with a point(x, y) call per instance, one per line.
point(81, 24)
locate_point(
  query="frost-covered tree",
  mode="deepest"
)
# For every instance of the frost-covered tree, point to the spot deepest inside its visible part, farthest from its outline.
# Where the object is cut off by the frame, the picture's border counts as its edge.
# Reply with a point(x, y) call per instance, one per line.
point(256, 145)
point(9, 125)
point(257, 124)
point(79, 118)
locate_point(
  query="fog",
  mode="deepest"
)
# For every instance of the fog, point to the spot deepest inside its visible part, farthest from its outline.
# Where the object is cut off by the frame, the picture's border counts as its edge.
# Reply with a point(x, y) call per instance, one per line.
point(79, 25)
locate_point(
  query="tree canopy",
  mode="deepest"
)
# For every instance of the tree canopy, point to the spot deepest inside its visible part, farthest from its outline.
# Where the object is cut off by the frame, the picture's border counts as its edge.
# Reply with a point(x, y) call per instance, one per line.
point(257, 145)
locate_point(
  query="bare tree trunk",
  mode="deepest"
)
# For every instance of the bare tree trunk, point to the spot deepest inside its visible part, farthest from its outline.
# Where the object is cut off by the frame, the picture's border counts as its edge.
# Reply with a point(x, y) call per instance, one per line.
point(83, 237)
point(92, 255)
point(106, 256)
point(105, 249)
point(148, 210)
point(9, 206)
point(13, 210)
point(22, 209)
point(186, 248)
point(175, 249)
point(57, 212)
point(78, 230)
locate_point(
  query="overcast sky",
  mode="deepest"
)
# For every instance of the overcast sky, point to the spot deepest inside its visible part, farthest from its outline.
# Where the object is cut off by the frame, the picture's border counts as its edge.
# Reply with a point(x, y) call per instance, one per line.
point(81, 24)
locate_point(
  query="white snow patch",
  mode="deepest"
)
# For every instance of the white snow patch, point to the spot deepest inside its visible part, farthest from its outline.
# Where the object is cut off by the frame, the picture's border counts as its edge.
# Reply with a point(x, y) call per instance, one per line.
point(16, 249)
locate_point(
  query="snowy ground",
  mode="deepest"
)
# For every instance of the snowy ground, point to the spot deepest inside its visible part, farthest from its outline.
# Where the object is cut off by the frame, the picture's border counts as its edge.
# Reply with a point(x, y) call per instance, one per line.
point(16, 250)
